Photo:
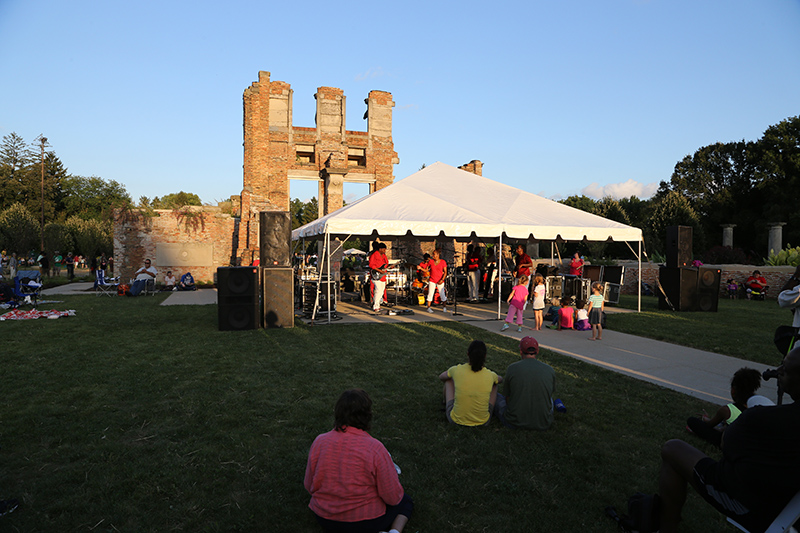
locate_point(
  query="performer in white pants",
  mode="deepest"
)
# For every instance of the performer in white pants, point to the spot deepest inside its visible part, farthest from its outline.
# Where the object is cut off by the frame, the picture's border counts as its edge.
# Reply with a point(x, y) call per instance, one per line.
point(438, 274)
point(378, 263)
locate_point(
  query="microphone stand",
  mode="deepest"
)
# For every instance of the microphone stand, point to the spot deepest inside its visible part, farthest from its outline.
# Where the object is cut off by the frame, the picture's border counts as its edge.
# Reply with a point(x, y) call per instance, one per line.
point(454, 285)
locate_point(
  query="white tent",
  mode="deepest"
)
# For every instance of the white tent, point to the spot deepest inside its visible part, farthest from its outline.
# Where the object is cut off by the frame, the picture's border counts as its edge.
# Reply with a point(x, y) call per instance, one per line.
point(443, 200)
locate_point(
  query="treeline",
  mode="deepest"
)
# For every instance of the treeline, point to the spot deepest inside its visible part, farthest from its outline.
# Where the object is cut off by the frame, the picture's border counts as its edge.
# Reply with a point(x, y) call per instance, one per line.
point(77, 210)
point(749, 184)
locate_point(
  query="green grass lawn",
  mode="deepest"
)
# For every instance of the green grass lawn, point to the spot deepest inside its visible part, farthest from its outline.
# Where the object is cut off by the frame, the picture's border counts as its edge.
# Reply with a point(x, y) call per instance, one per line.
point(135, 417)
point(740, 328)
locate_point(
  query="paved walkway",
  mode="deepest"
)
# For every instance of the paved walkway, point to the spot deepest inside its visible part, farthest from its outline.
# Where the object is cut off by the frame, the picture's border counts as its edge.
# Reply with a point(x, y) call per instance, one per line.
point(698, 373)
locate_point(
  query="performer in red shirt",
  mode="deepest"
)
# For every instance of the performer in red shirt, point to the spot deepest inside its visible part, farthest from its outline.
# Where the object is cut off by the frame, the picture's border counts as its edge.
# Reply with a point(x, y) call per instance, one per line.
point(522, 264)
point(352, 479)
point(424, 269)
point(576, 265)
point(473, 271)
point(438, 268)
point(378, 263)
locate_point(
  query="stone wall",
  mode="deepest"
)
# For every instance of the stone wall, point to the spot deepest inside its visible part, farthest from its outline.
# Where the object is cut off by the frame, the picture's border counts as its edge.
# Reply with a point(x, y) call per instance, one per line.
point(192, 239)
point(776, 276)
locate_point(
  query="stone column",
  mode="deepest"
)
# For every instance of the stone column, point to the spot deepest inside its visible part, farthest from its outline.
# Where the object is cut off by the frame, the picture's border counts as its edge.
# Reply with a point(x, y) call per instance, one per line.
point(775, 237)
point(727, 234)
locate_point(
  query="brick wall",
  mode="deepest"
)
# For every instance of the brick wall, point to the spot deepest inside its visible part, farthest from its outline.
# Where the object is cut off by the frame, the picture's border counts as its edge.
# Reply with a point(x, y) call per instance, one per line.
point(198, 241)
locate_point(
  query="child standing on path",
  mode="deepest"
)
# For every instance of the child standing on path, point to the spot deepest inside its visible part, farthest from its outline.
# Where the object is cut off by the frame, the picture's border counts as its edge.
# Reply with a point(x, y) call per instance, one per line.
point(538, 300)
point(596, 306)
point(516, 303)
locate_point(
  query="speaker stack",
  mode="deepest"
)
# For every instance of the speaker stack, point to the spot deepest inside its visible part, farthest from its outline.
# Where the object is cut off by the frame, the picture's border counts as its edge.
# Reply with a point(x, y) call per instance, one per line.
point(679, 246)
point(237, 298)
point(686, 288)
point(277, 276)
point(708, 281)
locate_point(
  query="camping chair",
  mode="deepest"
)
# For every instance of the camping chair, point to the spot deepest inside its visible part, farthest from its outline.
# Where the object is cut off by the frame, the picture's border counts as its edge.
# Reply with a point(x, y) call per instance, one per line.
point(102, 285)
point(784, 521)
point(22, 289)
point(149, 286)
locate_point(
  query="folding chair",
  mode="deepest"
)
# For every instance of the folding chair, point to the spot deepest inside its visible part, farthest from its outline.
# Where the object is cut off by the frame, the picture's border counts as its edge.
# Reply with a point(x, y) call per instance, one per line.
point(102, 285)
point(25, 291)
point(149, 287)
point(784, 521)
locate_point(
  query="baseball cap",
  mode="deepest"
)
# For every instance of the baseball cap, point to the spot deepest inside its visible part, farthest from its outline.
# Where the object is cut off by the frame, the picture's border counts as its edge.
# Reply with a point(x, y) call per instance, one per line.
point(529, 345)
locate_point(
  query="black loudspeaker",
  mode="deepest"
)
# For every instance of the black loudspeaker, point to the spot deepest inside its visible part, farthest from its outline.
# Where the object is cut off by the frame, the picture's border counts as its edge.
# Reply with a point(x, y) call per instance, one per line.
point(708, 280)
point(237, 298)
point(277, 286)
point(275, 238)
point(613, 274)
point(679, 246)
point(680, 286)
point(593, 272)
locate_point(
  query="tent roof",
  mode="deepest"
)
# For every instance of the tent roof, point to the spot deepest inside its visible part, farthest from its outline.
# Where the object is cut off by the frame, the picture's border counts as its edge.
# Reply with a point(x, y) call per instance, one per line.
point(441, 199)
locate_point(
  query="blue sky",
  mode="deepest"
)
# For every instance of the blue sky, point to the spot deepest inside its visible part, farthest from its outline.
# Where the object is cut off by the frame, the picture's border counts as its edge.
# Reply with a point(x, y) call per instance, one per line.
point(556, 98)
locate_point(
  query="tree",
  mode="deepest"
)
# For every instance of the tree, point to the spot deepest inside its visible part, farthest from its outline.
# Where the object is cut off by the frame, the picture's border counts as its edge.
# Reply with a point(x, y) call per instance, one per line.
point(671, 209)
point(778, 176)
point(717, 181)
point(19, 230)
point(175, 200)
point(584, 203)
point(16, 159)
point(90, 197)
point(57, 238)
point(91, 237)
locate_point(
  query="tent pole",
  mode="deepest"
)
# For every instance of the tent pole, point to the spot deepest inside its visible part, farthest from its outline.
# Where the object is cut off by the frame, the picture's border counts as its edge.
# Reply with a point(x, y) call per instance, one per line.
point(330, 280)
point(640, 276)
point(499, 258)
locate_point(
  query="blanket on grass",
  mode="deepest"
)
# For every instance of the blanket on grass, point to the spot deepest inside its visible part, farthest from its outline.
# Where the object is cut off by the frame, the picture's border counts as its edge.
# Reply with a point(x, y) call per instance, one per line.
point(19, 314)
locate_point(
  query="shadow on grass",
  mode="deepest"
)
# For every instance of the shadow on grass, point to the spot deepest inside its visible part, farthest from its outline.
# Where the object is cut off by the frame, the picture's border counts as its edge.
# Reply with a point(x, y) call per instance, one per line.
point(136, 417)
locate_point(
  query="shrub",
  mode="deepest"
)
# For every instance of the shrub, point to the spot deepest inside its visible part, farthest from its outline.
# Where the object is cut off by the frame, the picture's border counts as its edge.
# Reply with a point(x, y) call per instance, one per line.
point(725, 255)
point(788, 256)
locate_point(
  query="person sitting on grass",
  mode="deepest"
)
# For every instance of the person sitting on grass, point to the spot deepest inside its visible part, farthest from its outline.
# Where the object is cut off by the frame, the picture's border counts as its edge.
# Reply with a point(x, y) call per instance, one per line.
point(470, 389)
point(528, 386)
point(744, 384)
point(566, 317)
point(169, 281)
point(551, 316)
point(760, 467)
point(582, 317)
point(187, 283)
point(351, 477)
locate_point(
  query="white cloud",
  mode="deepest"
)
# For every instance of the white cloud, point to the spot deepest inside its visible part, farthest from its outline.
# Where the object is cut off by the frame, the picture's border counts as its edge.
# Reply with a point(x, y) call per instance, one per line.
point(620, 190)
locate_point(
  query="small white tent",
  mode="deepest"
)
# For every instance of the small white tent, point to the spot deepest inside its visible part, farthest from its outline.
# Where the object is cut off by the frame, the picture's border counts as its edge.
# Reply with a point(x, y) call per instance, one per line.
point(443, 200)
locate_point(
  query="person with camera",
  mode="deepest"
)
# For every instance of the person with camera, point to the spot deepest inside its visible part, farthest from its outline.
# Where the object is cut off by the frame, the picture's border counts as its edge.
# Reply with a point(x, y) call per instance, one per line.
point(760, 467)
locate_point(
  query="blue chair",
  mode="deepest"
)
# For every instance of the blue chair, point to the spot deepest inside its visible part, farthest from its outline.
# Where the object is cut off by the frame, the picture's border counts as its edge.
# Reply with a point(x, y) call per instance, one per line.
point(22, 290)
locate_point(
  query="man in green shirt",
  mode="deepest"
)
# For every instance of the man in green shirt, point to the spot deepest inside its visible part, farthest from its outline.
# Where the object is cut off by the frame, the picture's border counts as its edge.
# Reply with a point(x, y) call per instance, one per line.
point(528, 389)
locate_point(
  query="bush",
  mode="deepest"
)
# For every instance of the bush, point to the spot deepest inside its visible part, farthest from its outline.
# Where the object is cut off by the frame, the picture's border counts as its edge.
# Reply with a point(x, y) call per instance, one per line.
point(788, 256)
point(725, 255)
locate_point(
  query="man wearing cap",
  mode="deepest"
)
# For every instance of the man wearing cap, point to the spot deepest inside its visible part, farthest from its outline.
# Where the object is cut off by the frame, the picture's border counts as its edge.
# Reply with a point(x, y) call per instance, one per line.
point(528, 389)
